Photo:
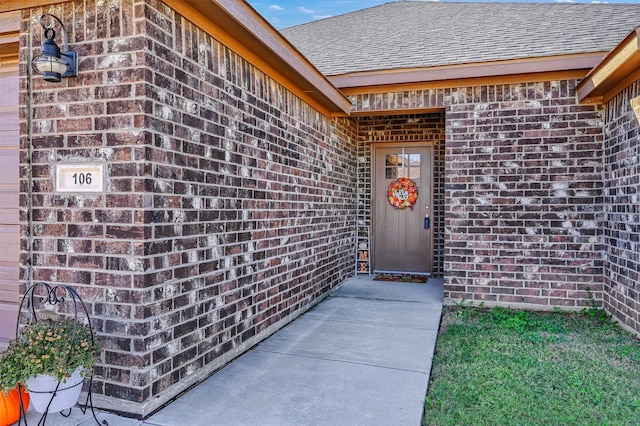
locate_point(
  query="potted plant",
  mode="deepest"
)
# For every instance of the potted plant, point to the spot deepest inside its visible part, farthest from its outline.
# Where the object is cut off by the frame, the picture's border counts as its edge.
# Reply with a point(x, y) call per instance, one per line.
point(56, 353)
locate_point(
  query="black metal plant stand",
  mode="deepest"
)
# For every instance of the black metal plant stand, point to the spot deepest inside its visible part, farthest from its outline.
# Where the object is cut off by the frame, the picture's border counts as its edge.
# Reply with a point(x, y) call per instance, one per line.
point(47, 296)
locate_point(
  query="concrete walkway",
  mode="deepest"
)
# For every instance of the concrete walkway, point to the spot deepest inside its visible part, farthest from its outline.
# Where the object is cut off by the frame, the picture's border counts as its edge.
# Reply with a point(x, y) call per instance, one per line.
point(360, 357)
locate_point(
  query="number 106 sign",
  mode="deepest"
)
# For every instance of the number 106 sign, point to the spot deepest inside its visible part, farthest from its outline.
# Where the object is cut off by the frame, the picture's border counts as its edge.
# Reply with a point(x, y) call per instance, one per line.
point(80, 177)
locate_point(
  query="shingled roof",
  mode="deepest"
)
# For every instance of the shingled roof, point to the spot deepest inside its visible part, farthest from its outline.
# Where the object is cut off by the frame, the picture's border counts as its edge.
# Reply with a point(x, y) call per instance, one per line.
point(418, 34)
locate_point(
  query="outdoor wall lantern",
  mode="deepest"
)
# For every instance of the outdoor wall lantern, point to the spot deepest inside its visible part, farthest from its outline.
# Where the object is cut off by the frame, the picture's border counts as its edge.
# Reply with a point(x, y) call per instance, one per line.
point(53, 64)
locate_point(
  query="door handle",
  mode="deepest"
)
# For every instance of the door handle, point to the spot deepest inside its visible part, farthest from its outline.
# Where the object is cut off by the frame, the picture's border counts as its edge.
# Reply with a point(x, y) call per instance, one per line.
point(427, 220)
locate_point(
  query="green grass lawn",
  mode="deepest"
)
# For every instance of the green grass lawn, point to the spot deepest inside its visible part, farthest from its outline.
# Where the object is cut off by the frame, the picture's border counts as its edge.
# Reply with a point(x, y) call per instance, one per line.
point(504, 367)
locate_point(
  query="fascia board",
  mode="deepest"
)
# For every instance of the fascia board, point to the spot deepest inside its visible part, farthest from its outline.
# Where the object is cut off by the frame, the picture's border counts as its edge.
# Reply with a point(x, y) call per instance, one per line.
point(619, 68)
point(468, 71)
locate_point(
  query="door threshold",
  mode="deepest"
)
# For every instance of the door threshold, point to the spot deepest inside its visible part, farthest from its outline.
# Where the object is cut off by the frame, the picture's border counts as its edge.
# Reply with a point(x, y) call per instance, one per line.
point(378, 271)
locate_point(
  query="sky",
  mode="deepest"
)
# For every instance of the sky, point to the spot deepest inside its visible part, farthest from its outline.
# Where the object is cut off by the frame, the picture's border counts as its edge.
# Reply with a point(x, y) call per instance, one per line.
point(286, 13)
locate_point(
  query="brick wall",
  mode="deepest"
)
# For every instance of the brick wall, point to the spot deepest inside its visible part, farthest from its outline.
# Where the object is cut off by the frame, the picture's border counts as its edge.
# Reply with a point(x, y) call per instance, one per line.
point(523, 191)
point(408, 128)
point(622, 209)
point(229, 206)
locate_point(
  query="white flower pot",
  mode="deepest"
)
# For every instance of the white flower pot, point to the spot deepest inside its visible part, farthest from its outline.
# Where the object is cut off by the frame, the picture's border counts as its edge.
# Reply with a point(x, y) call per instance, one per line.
point(42, 386)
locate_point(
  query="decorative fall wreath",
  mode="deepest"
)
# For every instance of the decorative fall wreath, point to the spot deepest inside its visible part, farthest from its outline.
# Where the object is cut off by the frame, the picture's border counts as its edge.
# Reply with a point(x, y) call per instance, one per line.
point(402, 193)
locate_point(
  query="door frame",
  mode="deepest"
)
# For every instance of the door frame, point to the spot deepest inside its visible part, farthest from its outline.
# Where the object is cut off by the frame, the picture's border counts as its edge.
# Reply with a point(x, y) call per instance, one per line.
point(375, 146)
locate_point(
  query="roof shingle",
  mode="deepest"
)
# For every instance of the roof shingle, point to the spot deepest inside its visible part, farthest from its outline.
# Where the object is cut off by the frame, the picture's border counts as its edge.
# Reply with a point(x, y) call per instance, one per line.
point(417, 34)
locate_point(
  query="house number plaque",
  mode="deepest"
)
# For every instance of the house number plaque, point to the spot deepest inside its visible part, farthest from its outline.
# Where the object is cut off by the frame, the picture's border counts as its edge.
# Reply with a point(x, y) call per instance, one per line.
point(80, 177)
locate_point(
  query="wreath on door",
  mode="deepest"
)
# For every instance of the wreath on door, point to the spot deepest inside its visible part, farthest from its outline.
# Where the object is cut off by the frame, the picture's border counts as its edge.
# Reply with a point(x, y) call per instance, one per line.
point(402, 193)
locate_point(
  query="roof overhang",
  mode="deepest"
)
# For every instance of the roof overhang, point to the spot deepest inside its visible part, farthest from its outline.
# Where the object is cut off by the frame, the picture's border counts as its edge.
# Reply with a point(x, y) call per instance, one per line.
point(238, 26)
point(11, 5)
point(617, 70)
point(470, 71)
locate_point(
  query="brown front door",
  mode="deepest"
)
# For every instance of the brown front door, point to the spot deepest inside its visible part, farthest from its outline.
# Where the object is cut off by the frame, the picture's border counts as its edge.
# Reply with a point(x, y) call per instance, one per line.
point(401, 243)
